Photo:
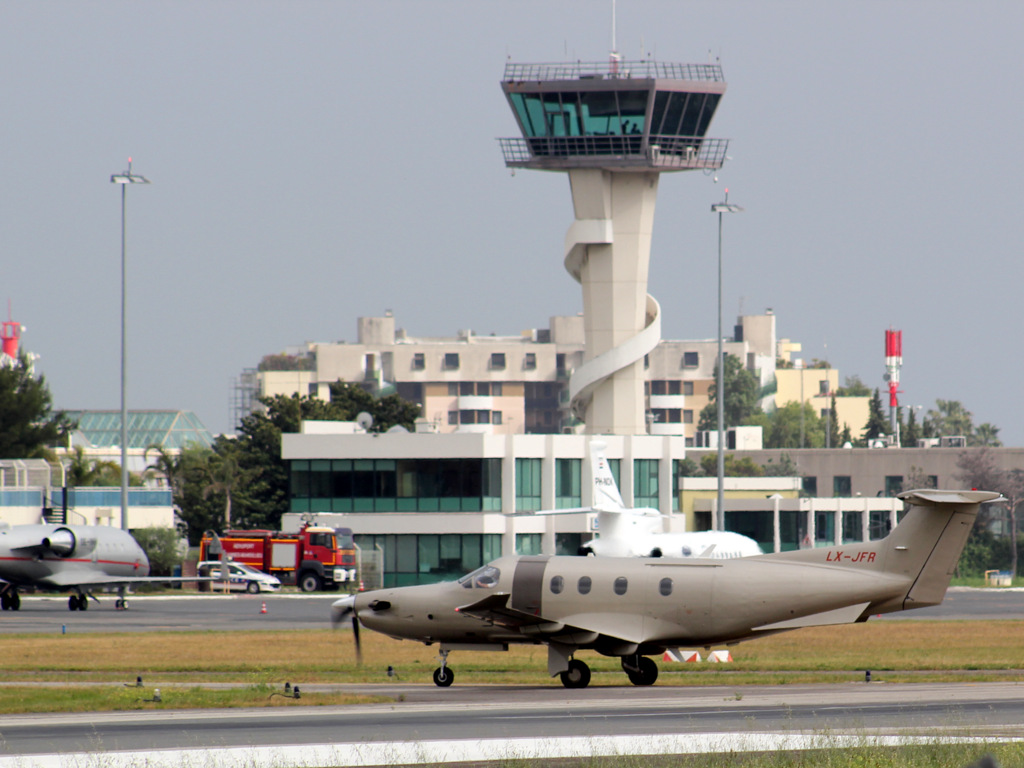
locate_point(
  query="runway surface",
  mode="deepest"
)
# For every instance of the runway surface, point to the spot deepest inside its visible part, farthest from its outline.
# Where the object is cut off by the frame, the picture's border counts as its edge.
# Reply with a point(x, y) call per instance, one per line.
point(466, 718)
point(428, 724)
point(237, 612)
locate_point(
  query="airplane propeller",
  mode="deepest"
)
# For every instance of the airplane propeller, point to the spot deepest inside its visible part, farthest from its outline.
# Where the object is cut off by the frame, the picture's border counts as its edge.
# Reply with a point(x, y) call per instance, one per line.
point(339, 611)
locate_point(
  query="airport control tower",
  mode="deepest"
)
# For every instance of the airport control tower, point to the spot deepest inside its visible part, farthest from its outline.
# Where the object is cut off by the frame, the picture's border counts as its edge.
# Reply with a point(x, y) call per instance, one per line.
point(614, 127)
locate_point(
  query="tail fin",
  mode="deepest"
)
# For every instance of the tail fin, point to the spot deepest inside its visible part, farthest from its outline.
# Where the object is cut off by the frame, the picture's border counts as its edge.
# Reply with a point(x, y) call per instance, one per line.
point(606, 491)
point(929, 540)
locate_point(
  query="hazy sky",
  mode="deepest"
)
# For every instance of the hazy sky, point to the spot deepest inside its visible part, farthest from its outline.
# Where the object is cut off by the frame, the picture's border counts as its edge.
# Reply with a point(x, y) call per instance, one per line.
point(312, 162)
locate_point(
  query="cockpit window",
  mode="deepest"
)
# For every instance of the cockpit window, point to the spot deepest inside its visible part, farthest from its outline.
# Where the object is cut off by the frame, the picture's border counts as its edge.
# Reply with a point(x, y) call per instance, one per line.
point(482, 578)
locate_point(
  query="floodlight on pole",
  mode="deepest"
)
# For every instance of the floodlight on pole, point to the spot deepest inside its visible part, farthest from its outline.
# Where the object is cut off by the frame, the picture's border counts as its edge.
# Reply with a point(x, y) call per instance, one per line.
point(724, 207)
point(124, 179)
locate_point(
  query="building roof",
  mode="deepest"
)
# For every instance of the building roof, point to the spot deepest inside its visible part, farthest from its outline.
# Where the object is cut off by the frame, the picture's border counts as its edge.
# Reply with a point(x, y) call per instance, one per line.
point(168, 429)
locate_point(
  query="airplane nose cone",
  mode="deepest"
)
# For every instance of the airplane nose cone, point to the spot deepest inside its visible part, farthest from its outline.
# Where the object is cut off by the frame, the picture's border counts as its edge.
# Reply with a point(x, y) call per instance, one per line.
point(341, 608)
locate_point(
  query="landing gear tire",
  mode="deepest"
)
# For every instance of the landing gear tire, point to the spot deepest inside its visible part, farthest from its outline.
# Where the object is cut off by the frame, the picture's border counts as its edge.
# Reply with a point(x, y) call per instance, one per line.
point(121, 604)
point(310, 582)
point(10, 601)
point(443, 677)
point(576, 676)
point(646, 672)
point(78, 603)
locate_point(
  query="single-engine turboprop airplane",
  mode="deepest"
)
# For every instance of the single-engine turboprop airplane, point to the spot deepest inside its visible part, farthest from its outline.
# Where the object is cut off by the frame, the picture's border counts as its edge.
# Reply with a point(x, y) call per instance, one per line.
point(634, 608)
point(81, 558)
point(639, 531)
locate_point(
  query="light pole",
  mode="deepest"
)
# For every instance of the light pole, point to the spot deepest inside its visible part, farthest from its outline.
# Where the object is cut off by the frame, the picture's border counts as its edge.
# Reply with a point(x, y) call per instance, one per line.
point(723, 207)
point(124, 179)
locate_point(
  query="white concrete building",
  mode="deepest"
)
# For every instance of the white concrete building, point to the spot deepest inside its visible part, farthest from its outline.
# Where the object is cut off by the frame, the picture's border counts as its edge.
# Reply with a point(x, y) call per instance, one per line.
point(440, 505)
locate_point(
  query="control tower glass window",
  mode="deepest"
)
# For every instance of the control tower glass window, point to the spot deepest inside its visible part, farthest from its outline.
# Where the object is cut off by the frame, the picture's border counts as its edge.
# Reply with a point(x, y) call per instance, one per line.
point(569, 113)
point(678, 113)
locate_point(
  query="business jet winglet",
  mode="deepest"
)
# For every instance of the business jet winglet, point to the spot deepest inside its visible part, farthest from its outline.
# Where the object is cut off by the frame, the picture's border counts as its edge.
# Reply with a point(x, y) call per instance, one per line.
point(634, 608)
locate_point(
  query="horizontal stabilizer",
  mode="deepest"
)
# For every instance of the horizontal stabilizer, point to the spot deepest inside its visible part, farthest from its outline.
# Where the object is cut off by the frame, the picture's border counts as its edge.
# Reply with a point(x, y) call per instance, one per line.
point(846, 615)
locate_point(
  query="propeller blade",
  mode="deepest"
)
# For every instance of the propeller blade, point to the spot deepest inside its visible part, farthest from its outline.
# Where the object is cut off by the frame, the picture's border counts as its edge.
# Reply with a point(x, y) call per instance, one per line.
point(342, 608)
point(355, 636)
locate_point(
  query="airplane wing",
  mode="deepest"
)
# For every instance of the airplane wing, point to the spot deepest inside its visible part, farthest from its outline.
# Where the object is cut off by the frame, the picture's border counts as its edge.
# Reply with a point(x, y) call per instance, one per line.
point(495, 609)
point(86, 579)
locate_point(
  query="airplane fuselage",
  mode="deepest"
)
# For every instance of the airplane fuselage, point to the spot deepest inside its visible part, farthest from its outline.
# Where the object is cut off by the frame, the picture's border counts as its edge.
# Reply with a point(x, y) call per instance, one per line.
point(47, 555)
point(628, 605)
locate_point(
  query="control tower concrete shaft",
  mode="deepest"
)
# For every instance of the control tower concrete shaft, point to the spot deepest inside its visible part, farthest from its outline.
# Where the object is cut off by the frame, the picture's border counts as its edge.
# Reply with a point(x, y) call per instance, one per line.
point(614, 128)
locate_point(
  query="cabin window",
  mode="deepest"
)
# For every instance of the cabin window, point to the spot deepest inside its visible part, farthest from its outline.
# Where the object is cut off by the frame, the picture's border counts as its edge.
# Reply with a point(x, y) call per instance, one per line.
point(621, 585)
point(665, 587)
point(557, 584)
point(583, 585)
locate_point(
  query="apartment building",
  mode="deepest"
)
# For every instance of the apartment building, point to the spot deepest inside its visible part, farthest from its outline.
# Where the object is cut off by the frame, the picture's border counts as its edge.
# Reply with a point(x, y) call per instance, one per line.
point(507, 385)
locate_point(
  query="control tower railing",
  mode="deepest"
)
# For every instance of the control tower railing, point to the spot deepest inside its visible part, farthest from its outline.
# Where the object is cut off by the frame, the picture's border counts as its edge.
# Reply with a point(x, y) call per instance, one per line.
point(668, 152)
point(519, 73)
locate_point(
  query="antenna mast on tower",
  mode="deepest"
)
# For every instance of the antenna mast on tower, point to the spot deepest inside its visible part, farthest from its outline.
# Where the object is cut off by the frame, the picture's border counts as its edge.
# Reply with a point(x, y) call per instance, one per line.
point(893, 362)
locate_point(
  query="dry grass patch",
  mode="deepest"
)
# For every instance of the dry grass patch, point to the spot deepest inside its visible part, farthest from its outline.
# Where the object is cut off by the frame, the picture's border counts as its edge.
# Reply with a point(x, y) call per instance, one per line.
point(325, 656)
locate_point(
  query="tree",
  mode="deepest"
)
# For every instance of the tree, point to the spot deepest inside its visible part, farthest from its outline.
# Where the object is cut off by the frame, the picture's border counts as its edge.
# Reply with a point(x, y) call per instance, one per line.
point(832, 432)
point(912, 434)
point(191, 473)
point(85, 471)
point(162, 547)
point(986, 435)
point(854, 387)
point(741, 395)
point(255, 471)
point(783, 426)
point(733, 467)
point(949, 417)
point(978, 469)
point(27, 424)
point(878, 424)
point(785, 468)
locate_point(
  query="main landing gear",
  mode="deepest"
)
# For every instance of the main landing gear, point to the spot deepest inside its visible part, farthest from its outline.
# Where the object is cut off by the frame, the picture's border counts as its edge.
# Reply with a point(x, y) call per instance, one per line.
point(10, 600)
point(640, 670)
point(78, 601)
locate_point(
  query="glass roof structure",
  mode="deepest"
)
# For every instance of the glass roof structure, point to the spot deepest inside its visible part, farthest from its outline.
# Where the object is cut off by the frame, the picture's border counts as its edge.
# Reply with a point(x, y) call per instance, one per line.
point(168, 429)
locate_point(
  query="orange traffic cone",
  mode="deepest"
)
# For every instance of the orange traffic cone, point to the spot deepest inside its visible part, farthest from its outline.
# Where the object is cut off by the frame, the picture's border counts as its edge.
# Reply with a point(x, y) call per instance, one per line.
point(263, 608)
point(361, 587)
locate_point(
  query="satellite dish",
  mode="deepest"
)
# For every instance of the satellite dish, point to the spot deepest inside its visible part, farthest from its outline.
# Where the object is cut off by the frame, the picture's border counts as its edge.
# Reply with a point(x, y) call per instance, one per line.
point(364, 420)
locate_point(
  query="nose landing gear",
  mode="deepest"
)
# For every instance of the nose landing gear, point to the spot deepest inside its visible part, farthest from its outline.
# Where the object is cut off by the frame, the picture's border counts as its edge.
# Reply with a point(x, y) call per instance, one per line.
point(576, 676)
point(443, 677)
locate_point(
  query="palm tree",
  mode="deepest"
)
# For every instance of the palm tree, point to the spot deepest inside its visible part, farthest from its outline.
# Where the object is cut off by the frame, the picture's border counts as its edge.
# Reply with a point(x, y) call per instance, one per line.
point(986, 434)
point(166, 465)
point(85, 471)
point(226, 478)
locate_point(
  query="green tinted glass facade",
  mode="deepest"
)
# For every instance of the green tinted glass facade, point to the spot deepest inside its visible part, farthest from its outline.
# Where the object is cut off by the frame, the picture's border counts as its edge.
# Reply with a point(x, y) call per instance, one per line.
point(528, 485)
point(645, 483)
point(430, 558)
point(567, 483)
point(396, 485)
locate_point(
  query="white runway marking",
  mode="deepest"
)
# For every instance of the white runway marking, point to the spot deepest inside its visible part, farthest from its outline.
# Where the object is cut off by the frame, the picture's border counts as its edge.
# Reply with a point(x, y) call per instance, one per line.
point(424, 752)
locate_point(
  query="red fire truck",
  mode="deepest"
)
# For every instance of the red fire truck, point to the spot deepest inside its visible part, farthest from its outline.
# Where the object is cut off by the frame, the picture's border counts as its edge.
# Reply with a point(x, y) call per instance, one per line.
point(313, 558)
